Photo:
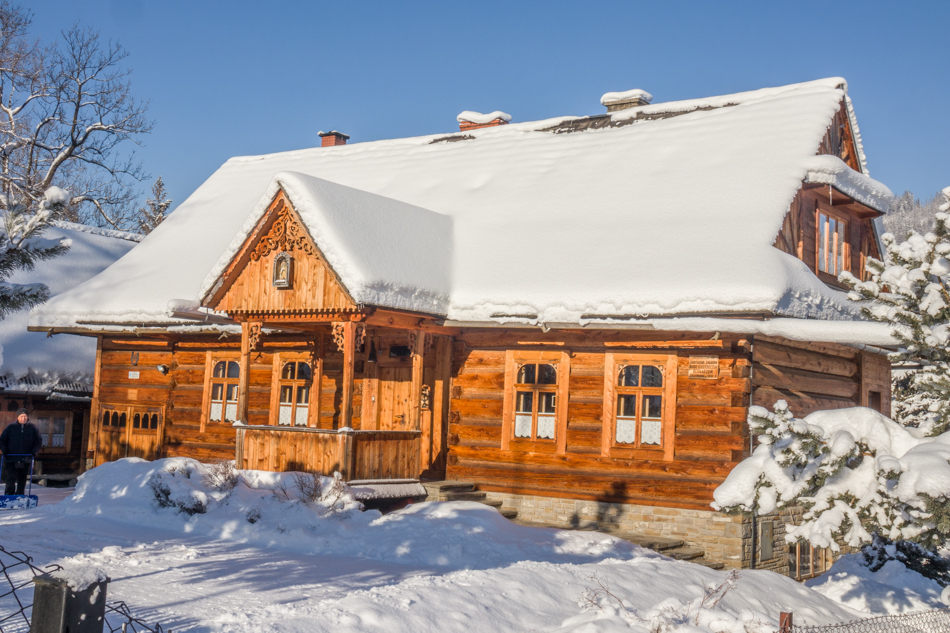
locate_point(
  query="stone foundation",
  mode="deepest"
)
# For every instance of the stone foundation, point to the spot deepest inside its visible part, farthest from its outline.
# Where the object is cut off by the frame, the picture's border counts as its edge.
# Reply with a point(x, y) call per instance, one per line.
point(725, 538)
point(720, 535)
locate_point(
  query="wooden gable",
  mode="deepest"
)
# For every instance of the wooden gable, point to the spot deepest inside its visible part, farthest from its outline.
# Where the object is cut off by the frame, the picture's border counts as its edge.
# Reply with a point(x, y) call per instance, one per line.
point(799, 233)
point(839, 139)
point(250, 286)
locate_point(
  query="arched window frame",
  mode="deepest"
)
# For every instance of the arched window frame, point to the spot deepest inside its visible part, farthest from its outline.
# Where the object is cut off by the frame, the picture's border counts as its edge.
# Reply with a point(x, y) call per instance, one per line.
point(613, 363)
point(514, 360)
point(229, 385)
point(278, 383)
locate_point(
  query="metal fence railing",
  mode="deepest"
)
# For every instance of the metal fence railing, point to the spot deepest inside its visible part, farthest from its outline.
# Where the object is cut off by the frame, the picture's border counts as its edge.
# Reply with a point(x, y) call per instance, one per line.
point(933, 621)
point(17, 572)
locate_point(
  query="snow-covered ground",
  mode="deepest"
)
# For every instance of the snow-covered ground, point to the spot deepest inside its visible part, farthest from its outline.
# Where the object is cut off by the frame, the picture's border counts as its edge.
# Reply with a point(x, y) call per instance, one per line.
point(263, 552)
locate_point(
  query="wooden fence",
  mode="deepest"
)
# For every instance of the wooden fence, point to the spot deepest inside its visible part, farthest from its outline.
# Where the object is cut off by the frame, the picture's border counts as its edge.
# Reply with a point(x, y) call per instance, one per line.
point(357, 455)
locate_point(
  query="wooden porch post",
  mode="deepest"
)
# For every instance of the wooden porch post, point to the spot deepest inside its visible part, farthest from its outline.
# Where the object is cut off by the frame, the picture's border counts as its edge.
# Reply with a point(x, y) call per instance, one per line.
point(349, 361)
point(90, 445)
point(244, 378)
point(415, 388)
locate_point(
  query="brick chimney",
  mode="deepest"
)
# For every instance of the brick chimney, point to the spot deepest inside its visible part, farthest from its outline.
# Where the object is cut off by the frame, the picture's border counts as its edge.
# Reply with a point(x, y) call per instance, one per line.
point(331, 138)
point(622, 100)
point(469, 120)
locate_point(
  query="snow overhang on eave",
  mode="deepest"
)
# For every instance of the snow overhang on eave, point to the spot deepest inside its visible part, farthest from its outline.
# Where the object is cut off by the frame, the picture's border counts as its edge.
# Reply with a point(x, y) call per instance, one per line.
point(859, 334)
point(839, 177)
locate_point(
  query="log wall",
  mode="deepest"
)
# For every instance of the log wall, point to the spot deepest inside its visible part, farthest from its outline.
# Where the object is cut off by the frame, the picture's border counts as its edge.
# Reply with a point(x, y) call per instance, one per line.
point(387, 396)
point(186, 430)
point(709, 436)
point(815, 376)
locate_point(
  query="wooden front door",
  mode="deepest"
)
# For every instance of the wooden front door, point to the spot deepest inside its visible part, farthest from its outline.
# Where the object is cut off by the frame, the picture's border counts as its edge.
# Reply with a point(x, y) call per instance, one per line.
point(387, 386)
point(129, 431)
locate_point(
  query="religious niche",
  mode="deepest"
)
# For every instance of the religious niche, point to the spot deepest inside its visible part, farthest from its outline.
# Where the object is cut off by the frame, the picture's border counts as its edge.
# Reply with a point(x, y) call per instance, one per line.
point(283, 270)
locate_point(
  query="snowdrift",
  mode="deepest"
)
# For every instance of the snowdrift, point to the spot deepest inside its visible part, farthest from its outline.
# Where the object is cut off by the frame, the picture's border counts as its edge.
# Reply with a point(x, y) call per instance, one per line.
point(318, 515)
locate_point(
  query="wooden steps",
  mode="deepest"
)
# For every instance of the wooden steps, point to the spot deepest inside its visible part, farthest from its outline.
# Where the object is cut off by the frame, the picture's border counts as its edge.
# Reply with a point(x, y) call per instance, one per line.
point(674, 548)
point(464, 491)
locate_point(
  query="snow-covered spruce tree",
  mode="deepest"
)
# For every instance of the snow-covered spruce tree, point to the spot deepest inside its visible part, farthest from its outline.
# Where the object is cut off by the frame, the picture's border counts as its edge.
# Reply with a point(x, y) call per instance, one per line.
point(153, 213)
point(910, 289)
point(858, 476)
point(908, 214)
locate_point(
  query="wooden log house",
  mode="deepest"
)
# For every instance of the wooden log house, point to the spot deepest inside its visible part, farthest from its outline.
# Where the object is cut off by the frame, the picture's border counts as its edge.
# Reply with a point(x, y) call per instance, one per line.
point(431, 308)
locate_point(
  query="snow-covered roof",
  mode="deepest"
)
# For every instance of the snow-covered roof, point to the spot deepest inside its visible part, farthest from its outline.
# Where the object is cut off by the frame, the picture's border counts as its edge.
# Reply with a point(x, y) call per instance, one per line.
point(37, 363)
point(668, 209)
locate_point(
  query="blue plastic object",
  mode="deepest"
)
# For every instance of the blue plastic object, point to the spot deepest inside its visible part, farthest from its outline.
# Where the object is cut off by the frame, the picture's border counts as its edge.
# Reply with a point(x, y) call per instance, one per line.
point(19, 502)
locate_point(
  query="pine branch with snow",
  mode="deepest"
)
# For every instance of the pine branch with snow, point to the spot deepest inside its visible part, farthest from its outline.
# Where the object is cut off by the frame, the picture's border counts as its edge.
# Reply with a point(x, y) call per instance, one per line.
point(910, 289)
point(22, 245)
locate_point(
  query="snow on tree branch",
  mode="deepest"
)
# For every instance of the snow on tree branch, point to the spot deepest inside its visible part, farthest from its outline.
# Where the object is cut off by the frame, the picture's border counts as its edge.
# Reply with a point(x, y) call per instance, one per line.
point(855, 472)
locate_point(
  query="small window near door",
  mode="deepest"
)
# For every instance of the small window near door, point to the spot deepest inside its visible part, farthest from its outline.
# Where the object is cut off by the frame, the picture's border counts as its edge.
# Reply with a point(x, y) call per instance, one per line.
point(224, 391)
point(296, 379)
point(535, 401)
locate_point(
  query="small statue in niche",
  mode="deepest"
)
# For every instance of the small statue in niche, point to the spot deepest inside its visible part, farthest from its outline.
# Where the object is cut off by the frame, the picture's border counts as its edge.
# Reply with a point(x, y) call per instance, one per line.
point(283, 270)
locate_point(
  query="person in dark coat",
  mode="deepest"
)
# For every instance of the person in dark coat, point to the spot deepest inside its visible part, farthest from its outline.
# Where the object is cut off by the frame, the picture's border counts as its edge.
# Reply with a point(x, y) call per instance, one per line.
point(17, 440)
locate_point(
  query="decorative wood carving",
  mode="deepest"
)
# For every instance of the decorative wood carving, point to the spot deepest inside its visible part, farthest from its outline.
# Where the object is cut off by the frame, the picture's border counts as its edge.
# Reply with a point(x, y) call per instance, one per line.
point(254, 336)
point(360, 335)
point(285, 234)
point(338, 336)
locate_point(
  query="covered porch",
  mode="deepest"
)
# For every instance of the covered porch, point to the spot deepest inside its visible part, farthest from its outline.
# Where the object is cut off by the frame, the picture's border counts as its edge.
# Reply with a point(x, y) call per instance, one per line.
point(356, 455)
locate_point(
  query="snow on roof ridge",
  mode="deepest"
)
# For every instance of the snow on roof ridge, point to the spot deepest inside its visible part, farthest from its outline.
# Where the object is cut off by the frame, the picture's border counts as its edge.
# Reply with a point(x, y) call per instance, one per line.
point(736, 98)
point(540, 124)
point(470, 116)
point(609, 98)
point(831, 170)
point(96, 230)
point(856, 133)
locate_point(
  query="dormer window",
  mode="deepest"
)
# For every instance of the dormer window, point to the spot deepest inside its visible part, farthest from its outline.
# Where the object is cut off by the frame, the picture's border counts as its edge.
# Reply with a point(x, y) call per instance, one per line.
point(834, 252)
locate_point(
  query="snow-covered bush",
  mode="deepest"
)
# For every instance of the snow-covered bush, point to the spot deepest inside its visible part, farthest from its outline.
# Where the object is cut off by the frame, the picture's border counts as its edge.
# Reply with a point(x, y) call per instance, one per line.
point(174, 488)
point(910, 289)
point(855, 472)
point(222, 476)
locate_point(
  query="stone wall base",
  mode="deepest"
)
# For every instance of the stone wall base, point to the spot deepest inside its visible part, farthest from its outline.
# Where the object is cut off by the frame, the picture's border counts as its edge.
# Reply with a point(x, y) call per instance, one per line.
point(720, 535)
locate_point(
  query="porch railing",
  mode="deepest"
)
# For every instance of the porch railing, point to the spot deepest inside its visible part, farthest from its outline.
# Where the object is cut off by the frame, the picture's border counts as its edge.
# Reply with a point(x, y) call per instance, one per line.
point(357, 455)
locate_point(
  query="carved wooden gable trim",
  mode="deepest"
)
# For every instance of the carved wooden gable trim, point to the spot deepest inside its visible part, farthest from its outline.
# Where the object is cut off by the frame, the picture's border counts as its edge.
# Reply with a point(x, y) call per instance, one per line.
point(286, 234)
point(279, 270)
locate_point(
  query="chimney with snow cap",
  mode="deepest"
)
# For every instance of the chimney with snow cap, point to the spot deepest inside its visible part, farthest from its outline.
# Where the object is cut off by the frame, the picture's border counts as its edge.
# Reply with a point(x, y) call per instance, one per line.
point(628, 99)
point(469, 120)
point(331, 138)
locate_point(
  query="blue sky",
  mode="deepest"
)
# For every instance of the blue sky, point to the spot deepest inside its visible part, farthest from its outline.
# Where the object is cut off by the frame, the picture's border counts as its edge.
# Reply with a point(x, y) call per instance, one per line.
point(251, 77)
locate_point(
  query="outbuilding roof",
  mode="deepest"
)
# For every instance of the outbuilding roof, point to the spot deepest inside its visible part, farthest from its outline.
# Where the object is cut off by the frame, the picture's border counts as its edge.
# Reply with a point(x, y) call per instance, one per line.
point(35, 363)
point(669, 209)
